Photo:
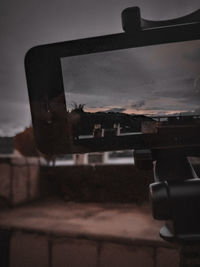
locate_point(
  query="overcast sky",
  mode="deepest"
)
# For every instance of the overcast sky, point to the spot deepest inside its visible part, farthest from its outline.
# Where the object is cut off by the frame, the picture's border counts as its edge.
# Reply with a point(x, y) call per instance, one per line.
point(148, 80)
point(26, 23)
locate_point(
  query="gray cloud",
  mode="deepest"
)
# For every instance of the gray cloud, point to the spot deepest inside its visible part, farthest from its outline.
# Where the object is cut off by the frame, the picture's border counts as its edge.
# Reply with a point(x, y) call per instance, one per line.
point(193, 56)
point(139, 104)
point(14, 120)
point(155, 78)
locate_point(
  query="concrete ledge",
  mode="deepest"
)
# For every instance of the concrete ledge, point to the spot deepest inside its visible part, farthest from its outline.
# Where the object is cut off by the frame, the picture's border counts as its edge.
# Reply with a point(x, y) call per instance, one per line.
point(123, 223)
point(71, 234)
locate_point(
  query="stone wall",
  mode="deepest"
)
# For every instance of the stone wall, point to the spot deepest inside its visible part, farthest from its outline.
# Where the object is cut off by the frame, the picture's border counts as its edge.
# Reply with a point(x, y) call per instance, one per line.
point(31, 249)
point(19, 180)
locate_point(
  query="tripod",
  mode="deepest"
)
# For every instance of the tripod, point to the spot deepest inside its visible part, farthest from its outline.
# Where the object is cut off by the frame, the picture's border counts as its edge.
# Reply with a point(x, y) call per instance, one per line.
point(176, 199)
